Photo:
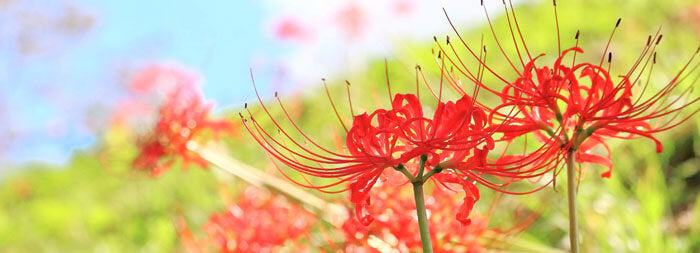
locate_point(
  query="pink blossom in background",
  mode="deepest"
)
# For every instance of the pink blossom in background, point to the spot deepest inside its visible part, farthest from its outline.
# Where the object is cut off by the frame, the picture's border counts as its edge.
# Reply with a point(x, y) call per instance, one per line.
point(292, 29)
point(325, 35)
point(352, 21)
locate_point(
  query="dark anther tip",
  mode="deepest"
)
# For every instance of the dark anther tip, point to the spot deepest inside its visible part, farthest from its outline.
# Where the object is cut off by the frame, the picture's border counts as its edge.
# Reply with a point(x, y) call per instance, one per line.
point(618, 22)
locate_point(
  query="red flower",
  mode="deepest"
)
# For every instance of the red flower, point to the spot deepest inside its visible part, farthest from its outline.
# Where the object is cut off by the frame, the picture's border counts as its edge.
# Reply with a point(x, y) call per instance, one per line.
point(396, 226)
point(455, 138)
point(182, 117)
point(572, 106)
point(257, 222)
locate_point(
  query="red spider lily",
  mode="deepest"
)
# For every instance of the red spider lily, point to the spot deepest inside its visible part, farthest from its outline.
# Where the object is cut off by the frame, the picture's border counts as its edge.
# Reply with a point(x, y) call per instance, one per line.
point(257, 222)
point(182, 117)
point(396, 137)
point(455, 139)
point(576, 107)
point(396, 225)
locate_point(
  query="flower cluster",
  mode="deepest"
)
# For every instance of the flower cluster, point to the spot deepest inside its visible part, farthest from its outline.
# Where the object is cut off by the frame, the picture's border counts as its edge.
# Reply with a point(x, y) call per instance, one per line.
point(257, 222)
point(455, 137)
point(453, 143)
point(182, 117)
point(572, 107)
point(396, 226)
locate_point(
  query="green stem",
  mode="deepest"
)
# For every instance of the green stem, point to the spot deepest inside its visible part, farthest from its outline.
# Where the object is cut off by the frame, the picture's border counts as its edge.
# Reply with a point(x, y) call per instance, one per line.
point(422, 217)
point(421, 166)
point(434, 171)
point(404, 171)
point(571, 188)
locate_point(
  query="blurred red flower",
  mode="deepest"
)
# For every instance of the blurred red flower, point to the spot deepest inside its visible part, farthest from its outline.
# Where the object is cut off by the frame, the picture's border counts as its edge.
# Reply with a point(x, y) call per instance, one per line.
point(396, 226)
point(183, 117)
point(257, 222)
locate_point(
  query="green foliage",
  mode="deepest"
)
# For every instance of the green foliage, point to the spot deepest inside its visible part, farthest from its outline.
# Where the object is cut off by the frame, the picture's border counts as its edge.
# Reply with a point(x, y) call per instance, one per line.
point(86, 206)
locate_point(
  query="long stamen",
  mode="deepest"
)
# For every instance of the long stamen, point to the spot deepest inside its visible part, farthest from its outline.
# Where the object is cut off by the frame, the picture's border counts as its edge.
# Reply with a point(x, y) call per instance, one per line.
point(517, 27)
point(388, 85)
point(646, 84)
point(480, 73)
point(306, 137)
point(556, 21)
point(573, 61)
point(442, 76)
point(469, 49)
point(417, 69)
point(347, 88)
point(464, 70)
point(512, 35)
point(607, 45)
point(498, 43)
point(335, 110)
point(425, 81)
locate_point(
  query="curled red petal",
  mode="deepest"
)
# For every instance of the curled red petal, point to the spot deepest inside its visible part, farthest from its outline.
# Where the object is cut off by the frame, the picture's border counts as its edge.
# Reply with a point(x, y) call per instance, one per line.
point(362, 214)
point(471, 195)
point(591, 158)
point(359, 195)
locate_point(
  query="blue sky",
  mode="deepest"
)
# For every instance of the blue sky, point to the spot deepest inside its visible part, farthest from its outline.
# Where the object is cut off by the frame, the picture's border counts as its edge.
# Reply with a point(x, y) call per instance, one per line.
point(48, 98)
point(216, 37)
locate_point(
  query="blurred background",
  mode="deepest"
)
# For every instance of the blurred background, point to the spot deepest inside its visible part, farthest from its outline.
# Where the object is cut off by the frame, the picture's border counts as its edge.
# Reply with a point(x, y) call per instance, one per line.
point(83, 85)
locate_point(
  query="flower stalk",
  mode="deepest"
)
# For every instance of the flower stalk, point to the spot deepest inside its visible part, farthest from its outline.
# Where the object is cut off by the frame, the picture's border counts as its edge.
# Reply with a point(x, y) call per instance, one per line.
point(571, 190)
point(417, 182)
point(422, 217)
